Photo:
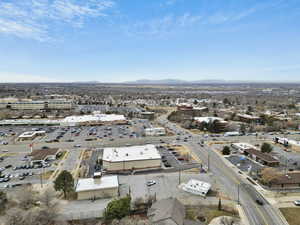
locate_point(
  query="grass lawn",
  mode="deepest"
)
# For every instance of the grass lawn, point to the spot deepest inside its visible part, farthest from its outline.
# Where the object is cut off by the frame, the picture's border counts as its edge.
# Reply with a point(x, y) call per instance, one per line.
point(291, 215)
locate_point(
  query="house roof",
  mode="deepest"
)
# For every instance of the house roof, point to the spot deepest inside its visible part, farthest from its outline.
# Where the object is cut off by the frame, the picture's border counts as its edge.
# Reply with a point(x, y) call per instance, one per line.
point(164, 209)
point(43, 154)
point(263, 156)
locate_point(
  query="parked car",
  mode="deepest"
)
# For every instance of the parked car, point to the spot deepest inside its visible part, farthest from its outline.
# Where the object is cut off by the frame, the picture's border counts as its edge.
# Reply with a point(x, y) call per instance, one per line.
point(259, 202)
point(297, 202)
point(151, 182)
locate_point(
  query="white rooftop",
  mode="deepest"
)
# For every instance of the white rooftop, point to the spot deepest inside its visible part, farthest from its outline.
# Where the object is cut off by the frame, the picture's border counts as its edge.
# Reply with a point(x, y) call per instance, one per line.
point(198, 185)
point(155, 129)
point(89, 184)
point(31, 133)
point(207, 119)
point(244, 145)
point(131, 153)
point(248, 116)
point(95, 117)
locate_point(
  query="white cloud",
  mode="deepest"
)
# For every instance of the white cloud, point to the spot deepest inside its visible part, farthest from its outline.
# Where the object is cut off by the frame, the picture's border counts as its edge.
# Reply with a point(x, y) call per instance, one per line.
point(163, 25)
point(33, 18)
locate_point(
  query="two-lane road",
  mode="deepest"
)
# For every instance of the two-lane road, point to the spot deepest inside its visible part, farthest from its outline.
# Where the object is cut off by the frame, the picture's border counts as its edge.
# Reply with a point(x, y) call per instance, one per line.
point(233, 184)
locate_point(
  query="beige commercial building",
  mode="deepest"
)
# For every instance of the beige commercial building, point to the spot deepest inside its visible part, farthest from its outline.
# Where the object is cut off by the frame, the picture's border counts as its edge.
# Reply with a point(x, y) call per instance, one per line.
point(29, 104)
point(97, 187)
point(131, 158)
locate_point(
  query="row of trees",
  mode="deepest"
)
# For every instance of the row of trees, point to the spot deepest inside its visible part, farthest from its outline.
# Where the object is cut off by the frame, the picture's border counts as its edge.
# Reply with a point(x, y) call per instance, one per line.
point(265, 148)
point(27, 207)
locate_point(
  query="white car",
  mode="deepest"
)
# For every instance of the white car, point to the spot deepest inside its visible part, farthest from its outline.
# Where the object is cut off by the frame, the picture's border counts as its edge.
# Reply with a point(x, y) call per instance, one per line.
point(297, 202)
point(4, 150)
point(151, 182)
point(77, 146)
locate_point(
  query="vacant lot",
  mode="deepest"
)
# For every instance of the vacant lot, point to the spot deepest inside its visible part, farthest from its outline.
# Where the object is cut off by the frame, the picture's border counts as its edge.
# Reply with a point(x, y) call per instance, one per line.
point(291, 215)
point(207, 213)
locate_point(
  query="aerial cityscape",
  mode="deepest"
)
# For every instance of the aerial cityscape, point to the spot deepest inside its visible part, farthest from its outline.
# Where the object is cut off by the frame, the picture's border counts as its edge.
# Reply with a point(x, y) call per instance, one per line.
point(165, 112)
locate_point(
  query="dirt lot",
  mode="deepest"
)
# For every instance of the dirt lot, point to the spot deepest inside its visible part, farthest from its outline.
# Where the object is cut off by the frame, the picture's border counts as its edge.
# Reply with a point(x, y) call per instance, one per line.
point(207, 213)
point(291, 215)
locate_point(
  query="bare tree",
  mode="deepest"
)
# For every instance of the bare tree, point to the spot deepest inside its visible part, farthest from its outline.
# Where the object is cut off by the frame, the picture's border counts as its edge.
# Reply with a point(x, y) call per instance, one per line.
point(226, 220)
point(26, 198)
point(48, 199)
point(14, 216)
point(269, 174)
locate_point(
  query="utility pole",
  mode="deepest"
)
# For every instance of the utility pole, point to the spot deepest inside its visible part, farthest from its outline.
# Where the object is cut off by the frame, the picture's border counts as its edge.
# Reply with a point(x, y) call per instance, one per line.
point(208, 158)
point(41, 177)
point(238, 194)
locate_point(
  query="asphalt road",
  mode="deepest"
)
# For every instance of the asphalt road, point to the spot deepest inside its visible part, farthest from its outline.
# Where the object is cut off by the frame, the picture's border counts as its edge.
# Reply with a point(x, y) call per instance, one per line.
point(229, 181)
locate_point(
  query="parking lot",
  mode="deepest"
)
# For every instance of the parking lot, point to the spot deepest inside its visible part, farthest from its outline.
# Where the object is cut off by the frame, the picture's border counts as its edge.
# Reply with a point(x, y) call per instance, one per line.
point(166, 185)
point(15, 169)
point(135, 129)
point(171, 157)
point(245, 164)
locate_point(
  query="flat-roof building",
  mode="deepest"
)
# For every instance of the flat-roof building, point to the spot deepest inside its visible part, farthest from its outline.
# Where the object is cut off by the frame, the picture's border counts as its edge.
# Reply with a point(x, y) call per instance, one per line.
point(261, 157)
point(29, 104)
point(220, 123)
point(131, 158)
point(249, 118)
point(44, 155)
point(155, 131)
point(95, 119)
point(97, 187)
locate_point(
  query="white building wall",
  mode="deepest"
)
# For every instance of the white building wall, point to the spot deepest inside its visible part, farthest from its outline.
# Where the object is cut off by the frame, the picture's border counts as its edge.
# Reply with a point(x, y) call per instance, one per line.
point(96, 194)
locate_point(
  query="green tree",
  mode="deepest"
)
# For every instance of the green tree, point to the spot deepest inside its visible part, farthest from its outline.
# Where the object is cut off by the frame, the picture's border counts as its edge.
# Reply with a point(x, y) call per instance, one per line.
point(64, 182)
point(226, 101)
point(266, 148)
point(118, 208)
point(226, 150)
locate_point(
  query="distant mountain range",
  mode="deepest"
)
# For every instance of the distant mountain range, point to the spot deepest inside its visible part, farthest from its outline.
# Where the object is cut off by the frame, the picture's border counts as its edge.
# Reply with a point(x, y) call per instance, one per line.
point(178, 81)
point(175, 81)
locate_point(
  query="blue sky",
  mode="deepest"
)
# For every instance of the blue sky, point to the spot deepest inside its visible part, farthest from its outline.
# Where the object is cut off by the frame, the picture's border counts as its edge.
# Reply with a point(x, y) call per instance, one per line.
point(121, 40)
